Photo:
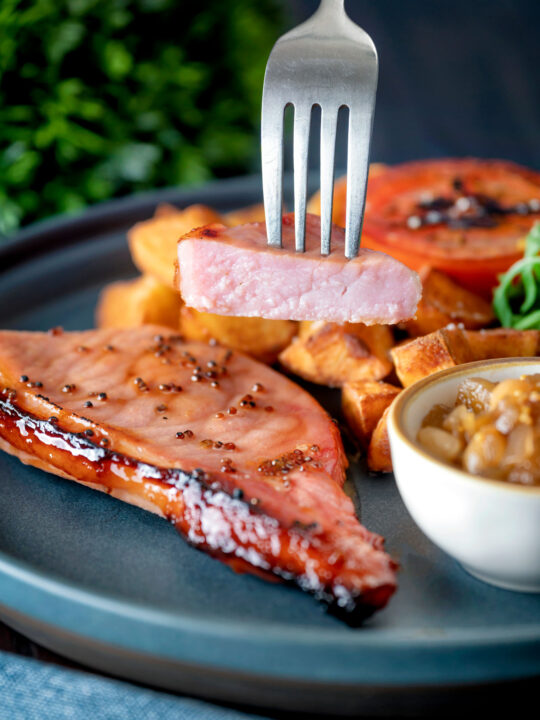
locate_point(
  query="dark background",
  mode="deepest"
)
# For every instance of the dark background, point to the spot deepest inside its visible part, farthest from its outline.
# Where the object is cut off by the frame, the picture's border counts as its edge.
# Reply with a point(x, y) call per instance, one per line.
point(456, 77)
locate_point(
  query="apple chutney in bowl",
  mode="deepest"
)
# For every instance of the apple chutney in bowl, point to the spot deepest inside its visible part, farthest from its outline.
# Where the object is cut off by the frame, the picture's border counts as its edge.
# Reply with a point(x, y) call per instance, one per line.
point(492, 429)
point(465, 450)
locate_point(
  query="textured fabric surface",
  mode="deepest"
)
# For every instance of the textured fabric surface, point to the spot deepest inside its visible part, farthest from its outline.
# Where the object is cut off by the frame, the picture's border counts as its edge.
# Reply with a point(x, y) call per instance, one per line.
point(32, 690)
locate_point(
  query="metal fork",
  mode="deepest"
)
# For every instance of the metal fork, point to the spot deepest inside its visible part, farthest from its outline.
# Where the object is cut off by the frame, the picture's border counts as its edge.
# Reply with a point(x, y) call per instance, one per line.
point(331, 62)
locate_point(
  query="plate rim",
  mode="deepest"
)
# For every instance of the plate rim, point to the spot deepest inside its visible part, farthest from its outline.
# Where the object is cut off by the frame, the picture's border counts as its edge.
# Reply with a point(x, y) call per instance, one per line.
point(184, 643)
point(43, 581)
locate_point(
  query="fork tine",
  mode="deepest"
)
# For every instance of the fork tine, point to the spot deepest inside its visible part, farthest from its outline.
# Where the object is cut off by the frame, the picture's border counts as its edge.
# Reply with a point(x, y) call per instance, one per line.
point(272, 167)
point(302, 121)
point(328, 147)
point(357, 174)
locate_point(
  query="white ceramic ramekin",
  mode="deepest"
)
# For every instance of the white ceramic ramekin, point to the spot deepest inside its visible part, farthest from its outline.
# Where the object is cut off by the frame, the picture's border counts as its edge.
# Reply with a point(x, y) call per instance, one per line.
point(491, 527)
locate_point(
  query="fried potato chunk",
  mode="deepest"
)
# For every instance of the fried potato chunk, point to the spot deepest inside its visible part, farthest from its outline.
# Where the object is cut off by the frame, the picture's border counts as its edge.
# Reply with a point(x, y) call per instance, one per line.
point(443, 302)
point(331, 354)
point(451, 346)
point(339, 207)
point(250, 214)
point(153, 242)
point(425, 355)
point(503, 342)
point(379, 457)
point(262, 339)
point(167, 210)
point(363, 403)
point(137, 302)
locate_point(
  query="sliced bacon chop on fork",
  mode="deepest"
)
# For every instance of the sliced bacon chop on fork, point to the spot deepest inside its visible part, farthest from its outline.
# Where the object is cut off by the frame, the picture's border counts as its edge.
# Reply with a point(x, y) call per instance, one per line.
point(233, 271)
point(245, 464)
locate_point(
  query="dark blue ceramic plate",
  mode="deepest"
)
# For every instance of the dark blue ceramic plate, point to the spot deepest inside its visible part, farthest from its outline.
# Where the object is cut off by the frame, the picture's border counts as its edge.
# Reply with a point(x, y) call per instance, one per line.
point(117, 589)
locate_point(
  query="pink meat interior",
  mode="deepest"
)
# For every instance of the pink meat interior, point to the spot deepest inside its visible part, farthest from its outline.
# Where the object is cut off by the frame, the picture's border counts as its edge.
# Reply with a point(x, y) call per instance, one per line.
point(232, 271)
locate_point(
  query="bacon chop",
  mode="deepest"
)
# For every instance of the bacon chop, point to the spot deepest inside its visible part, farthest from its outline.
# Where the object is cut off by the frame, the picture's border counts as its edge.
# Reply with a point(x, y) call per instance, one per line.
point(243, 462)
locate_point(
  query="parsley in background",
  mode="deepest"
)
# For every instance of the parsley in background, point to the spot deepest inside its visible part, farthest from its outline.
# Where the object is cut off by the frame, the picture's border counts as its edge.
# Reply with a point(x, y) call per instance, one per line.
point(101, 98)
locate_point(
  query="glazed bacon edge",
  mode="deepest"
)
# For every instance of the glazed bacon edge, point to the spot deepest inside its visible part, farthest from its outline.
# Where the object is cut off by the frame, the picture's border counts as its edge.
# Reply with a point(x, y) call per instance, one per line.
point(193, 507)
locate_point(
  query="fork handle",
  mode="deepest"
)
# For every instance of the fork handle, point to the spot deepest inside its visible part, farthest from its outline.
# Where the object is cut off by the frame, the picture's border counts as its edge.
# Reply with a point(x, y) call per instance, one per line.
point(333, 6)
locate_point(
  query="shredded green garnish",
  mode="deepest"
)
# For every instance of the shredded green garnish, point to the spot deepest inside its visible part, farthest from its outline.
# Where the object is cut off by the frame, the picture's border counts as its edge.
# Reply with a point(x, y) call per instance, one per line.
point(516, 300)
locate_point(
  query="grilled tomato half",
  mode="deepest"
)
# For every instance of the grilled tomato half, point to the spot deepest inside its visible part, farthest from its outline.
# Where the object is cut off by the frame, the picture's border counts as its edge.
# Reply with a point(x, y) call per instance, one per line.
point(466, 217)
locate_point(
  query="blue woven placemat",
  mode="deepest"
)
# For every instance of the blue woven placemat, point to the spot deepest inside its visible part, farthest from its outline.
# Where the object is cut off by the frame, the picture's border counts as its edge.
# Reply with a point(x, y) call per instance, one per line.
point(33, 690)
